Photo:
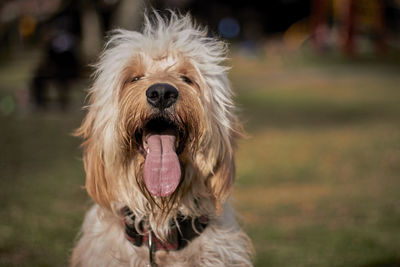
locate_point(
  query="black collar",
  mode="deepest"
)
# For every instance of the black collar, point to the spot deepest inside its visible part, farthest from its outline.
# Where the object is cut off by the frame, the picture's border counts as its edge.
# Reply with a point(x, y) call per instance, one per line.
point(189, 229)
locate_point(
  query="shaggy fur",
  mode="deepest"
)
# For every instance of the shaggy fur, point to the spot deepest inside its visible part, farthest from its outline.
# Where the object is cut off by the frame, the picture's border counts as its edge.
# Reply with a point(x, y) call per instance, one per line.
point(177, 52)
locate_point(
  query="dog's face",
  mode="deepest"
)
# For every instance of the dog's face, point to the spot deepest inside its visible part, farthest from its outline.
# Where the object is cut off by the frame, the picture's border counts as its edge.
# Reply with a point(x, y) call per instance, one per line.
point(162, 117)
point(160, 127)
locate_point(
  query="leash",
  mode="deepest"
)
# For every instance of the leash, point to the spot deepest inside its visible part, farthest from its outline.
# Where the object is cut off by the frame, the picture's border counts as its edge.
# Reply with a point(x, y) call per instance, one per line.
point(151, 250)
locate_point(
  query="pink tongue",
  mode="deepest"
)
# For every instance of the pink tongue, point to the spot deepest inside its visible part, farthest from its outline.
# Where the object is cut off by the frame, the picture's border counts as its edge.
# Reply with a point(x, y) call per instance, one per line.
point(162, 171)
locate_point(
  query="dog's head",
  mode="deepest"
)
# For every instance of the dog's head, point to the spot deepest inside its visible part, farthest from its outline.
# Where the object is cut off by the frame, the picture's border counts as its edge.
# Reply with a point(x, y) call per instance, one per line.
point(161, 126)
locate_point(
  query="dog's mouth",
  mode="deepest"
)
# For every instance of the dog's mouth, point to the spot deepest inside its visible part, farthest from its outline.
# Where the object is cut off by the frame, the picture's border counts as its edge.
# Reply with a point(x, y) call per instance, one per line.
point(160, 142)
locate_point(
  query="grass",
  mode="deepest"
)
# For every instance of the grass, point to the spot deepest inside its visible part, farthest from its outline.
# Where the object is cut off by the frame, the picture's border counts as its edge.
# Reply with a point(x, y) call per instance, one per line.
point(41, 178)
point(318, 178)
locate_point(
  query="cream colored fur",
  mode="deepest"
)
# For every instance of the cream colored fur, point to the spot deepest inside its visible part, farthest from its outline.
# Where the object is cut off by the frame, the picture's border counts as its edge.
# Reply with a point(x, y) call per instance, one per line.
point(165, 51)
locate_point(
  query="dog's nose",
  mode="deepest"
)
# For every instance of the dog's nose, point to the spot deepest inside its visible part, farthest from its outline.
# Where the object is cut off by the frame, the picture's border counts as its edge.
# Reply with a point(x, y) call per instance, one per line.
point(161, 95)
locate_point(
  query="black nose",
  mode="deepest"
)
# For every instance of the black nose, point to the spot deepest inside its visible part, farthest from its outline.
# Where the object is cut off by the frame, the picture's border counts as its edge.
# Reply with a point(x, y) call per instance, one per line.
point(161, 95)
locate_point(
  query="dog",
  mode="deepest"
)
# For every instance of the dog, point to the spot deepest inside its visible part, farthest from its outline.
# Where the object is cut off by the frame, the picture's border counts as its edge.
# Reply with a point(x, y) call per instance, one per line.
point(159, 142)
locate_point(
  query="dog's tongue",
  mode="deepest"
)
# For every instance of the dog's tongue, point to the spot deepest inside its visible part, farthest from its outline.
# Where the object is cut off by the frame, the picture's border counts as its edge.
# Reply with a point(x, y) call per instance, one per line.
point(162, 171)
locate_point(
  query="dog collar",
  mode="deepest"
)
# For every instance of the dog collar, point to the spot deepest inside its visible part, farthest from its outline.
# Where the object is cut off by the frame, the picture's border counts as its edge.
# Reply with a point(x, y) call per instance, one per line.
point(189, 229)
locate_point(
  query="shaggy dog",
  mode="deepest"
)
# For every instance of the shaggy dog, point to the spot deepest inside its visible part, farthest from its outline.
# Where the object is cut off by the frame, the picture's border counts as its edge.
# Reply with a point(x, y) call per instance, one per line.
point(159, 141)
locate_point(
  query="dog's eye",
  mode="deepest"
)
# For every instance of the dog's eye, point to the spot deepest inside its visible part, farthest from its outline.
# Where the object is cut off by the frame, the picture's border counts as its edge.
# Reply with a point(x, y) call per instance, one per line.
point(186, 79)
point(136, 78)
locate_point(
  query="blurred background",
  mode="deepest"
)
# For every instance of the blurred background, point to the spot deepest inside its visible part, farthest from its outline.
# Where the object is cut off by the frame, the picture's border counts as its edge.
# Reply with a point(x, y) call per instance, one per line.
point(318, 86)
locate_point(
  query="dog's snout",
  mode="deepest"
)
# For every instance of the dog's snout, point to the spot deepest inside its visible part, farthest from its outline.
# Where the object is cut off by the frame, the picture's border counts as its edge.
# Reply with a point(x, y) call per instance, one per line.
point(162, 95)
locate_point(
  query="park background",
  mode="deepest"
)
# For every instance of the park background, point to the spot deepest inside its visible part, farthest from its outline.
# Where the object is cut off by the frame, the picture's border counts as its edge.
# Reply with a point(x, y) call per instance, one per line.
point(318, 88)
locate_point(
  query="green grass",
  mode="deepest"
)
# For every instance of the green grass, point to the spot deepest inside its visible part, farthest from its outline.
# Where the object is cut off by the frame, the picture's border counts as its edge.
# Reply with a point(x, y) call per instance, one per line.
point(318, 177)
point(41, 178)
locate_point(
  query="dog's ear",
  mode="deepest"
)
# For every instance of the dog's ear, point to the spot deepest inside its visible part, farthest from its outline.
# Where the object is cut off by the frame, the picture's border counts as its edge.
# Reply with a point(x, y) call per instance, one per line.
point(224, 172)
point(96, 183)
point(222, 180)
